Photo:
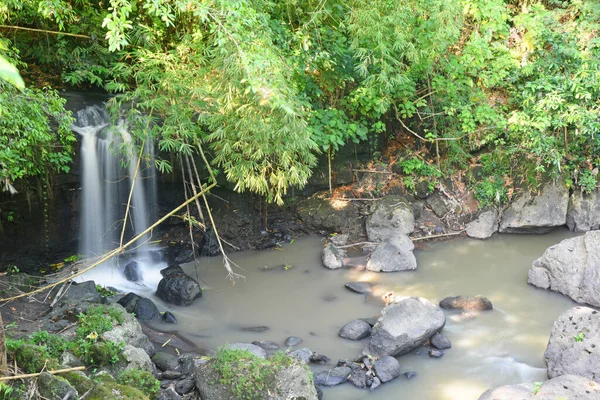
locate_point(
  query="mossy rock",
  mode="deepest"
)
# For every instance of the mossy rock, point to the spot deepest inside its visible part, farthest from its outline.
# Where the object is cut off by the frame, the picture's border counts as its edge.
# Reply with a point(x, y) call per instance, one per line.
point(104, 387)
point(79, 381)
point(142, 380)
point(102, 354)
point(53, 387)
point(32, 358)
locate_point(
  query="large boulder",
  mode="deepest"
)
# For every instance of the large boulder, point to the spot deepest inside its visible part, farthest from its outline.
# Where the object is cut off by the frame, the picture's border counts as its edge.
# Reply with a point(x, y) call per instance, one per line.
point(394, 254)
point(333, 257)
point(484, 226)
point(133, 272)
point(537, 213)
point(574, 345)
point(404, 326)
point(178, 288)
point(55, 388)
point(321, 214)
point(390, 217)
point(572, 268)
point(144, 309)
point(584, 212)
point(569, 387)
point(129, 332)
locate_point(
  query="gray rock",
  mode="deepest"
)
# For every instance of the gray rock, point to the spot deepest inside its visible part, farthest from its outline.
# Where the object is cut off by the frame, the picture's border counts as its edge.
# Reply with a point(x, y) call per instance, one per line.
point(136, 358)
point(394, 254)
point(178, 288)
point(537, 213)
point(69, 360)
point(133, 272)
point(339, 240)
point(484, 226)
point(168, 394)
point(355, 330)
point(472, 303)
point(574, 345)
point(404, 326)
point(437, 204)
point(391, 216)
point(257, 351)
point(188, 365)
point(359, 378)
point(376, 383)
point(80, 292)
point(130, 332)
point(333, 258)
point(293, 341)
point(171, 269)
point(185, 386)
point(146, 310)
point(435, 353)
point(260, 328)
point(294, 383)
point(440, 341)
point(129, 301)
point(410, 375)
point(169, 318)
point(318, 213)
point(266, 344)
point(387, 368)
point(333, 377)
point(171, 374)
point(302, 354)
point(165, 361)
point(569, 387)
point(317, 358)
point(571, 268)
point(52, 387)
point(583, 213)
point(360, 287)
point(370, 320)
point(319, 392)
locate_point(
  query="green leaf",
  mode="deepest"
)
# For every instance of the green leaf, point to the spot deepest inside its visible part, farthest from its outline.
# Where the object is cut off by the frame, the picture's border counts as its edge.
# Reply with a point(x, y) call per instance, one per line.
point(10, 73)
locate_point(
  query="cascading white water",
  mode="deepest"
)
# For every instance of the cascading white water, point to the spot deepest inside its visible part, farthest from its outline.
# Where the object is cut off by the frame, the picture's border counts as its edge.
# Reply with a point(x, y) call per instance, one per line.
point(107, 177)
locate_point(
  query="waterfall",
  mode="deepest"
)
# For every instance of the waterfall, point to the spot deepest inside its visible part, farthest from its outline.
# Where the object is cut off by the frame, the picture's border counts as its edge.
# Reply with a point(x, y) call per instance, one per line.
point(108, 162)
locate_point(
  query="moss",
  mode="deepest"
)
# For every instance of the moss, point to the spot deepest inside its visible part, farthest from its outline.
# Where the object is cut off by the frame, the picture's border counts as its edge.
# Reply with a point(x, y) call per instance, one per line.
point(142, 380)
point(32, 358)
point(114, 391)
point(81, 383)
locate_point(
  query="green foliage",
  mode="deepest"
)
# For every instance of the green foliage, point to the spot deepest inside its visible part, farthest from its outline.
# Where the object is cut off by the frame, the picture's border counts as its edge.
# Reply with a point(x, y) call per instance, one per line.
point(31, 358)
point(73, 258)
point(248, 376)
point(11, 392)
point(491, 192)
point(104, 291)
point(579, 337)
point(96, 321)
point(536, 387)
point(142, 380)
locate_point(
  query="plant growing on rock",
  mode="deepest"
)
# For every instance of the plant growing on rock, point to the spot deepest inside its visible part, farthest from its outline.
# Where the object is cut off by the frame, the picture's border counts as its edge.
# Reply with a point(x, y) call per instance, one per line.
point(142, 380)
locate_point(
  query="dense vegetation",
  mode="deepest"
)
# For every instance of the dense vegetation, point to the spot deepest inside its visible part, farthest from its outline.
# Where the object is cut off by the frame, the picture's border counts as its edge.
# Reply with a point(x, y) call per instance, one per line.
point(512, 85)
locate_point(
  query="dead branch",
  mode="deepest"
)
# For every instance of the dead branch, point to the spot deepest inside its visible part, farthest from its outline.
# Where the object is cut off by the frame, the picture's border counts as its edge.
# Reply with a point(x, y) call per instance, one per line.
point(58, 371)
point(22, 28)
point(437, 236)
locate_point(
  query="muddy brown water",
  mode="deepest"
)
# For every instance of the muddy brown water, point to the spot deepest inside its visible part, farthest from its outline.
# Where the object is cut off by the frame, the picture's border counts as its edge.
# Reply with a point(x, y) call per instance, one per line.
point(503, 346)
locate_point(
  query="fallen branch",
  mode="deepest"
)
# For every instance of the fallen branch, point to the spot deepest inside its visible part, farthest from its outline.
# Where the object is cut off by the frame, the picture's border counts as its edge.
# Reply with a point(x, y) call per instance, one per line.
point(371, 171)
point(354, 244)
point(58, 371)
point(437, 236)
point(353, 199)
point(134, 179)
point(44, 31)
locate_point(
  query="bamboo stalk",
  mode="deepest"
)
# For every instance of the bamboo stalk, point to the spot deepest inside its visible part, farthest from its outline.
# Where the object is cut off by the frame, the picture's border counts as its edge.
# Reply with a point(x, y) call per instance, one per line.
point(437, 236)
point(135, 174)
point(22, 28)
point(58, 371)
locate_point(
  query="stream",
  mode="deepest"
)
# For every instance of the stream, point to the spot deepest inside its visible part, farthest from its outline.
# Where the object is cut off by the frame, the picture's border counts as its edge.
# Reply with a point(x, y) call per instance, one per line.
point(499, 347)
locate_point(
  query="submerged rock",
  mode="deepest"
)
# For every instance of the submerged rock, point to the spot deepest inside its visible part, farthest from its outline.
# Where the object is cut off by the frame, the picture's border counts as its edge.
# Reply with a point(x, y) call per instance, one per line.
point(484, 226)
point(584, 211)
point(569, 387)
point(537, 213)
point(404, 326)
point(465, 303)
point(391, 216)
point(266, 344)
point(395, 254)
point(169, 318)
point(333, 258)
point(435, 353)
point(571, 268)
point(360, 287)
point(574, 345)
point(178, 288)
point(440, 341)
point(293, 341)
point(355, 330)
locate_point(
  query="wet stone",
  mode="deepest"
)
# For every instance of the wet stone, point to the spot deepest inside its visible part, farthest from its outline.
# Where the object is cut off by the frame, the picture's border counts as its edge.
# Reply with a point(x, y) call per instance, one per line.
point(302, 354)
point(359, 379)
point(293, 341)
point(440, 342)
point(317, 358)
point(185, 386)
point(260, 328)
point(170, 374)
point(387, 368)
point(410, 375)
point(169, 318)
point(375, 384)
point(359, 287)
point(332, 377)
point(435, 353)
point(266, 344)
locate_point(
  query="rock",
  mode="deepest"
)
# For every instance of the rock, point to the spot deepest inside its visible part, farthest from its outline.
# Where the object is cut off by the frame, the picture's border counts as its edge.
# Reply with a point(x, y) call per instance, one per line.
point(537, 213)
point(440, 341)
point(359, 287)
point(317, 358)
point(370, 320)
point(437, 204)
point(209, 247)
point(339, 240)
point(359, 378)
point(583, 213)
point(294, 383)
point(395, 254)
point(188, 366)
point(302, 354)
point(404, 326)
point(319, 392)
point(355, 330)
point(136, 358)
point(376, 383)
point(574, 345)
point(333, 258)
point(484, 226)
point(171, 374)
point(172, 269)
point(52, 387)
point(392, 216)
point(257, 351)
point(333, 376)
point(387, 368)
point(293, 341)
point(130, 332)
point(410, 375)
point(465, 303)
point(571, 268)
point(69, 360)
point(260, 328)
point(165, 361)
point(77, 293)
point(168, 394)
point(185, 386)
point(179, 289)
point(435, 353)
point(132, 272)
point(169, 318)
point(129, 301)
point(146, 310)
point(321, 214)
point(266, 344)
point(569, 387)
